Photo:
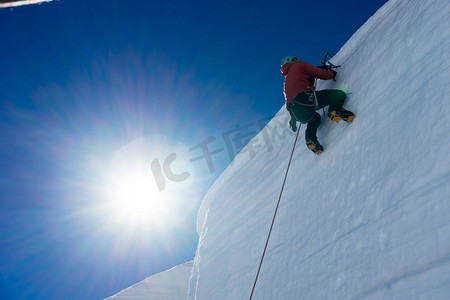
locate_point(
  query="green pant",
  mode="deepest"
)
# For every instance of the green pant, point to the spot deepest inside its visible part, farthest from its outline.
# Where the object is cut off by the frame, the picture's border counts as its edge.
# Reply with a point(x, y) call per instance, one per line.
point(303, 108)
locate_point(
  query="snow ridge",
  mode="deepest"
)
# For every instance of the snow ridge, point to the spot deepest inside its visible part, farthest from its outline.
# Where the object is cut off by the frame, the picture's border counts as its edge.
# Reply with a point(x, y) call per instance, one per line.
point(171, 284)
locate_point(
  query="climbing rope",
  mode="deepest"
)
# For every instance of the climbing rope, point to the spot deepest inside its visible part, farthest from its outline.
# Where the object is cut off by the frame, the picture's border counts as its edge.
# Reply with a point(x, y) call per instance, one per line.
point(275, 214)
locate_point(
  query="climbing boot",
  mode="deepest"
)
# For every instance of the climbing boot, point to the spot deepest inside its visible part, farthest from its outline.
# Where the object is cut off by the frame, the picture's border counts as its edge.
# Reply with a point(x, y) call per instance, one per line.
point(314, 145)
point(342, 114)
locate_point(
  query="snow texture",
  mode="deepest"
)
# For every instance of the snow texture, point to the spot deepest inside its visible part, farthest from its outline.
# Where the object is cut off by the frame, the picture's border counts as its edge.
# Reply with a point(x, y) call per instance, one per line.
point(367, 219)
point(370, 217)
point(168, 285)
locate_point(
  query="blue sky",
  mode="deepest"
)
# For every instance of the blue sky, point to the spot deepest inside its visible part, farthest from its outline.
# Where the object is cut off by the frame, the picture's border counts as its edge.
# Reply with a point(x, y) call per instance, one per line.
point(94, 92)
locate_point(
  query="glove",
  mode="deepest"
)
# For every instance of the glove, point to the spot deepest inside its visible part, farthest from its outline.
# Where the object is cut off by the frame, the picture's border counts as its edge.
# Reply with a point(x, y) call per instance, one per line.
point(335, 73)
point(293, 125)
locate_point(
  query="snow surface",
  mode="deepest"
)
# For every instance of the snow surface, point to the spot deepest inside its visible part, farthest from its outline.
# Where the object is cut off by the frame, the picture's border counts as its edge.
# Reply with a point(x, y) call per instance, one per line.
point(367, 219)
point(168, 285)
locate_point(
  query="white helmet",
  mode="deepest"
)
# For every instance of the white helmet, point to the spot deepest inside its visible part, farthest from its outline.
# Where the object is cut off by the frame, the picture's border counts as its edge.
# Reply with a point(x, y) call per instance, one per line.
point(287, 59)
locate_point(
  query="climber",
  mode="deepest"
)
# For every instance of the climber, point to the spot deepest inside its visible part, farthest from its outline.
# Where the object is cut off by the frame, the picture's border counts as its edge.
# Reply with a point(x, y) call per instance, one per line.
point(302, 100)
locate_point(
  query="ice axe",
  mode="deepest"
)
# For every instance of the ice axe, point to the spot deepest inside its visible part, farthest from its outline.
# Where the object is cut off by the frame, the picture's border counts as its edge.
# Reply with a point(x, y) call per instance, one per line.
point(327, 64)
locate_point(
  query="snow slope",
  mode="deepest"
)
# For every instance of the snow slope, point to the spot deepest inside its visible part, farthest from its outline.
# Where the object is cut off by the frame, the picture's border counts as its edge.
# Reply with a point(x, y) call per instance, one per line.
point(168, 285)
point(368, 219)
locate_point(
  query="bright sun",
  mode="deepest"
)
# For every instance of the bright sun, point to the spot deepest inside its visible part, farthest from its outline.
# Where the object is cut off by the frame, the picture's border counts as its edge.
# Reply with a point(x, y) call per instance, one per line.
point(132, 195)
point(137, 200)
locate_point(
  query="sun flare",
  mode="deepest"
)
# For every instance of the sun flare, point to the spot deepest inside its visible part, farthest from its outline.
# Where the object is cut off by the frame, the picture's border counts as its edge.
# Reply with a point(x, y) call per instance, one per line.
point(137, 199)
point(133, 197)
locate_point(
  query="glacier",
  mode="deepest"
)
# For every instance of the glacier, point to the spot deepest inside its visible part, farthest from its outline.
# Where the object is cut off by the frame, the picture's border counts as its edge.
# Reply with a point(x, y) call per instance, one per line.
point(367, 219)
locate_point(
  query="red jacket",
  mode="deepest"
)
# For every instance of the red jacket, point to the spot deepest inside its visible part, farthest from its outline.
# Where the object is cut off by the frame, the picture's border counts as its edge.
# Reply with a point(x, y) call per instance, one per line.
point(298, 76)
